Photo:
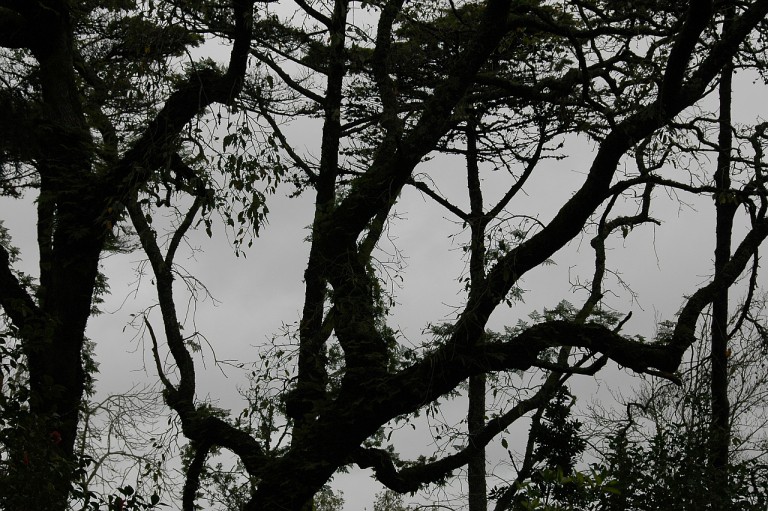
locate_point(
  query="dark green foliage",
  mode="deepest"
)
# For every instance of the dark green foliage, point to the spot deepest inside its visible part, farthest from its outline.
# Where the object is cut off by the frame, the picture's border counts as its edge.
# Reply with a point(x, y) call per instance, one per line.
point(559, 445)
point(670, 472)
point(558, 441)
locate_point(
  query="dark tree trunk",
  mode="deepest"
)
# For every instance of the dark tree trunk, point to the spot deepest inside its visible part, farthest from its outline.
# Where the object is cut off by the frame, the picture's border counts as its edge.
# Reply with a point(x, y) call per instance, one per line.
point(725, 206)
point(477, 494)
point(70, 239)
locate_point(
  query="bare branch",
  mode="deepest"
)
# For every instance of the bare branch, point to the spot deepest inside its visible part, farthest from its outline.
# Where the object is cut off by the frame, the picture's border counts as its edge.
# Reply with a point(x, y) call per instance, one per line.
point(422, 187)
point(322, 18)
point(156, 355)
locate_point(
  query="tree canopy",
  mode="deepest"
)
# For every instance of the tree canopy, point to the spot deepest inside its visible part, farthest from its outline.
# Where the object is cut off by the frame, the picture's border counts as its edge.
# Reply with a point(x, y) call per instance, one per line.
point(121, 122)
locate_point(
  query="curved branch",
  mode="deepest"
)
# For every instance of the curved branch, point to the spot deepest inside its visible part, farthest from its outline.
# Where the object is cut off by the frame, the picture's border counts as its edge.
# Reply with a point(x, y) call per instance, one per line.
point(684, 332)
point(198, 424)
point(699, 13)
point(156, 355)
point(185, 391)
point(410, 479)
point(201, 89)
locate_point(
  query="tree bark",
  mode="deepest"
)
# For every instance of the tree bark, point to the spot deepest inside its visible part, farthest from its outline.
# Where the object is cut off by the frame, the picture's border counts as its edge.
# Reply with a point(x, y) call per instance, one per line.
point(725, 207)
point(69, 257)
point(477, 494)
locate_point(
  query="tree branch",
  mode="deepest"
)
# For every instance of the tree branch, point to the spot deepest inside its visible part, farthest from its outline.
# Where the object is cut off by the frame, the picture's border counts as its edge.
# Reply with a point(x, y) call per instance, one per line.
point(198, 424)
point(422, 187)
point(181, 230)
point(201, 89)
point(322, 18)
point(410, 479)
point(156, 356)
point(696, 20)
point(185, 391)
point(685, 329)
point(297, 160)
point(293, 84)
point(16, 302)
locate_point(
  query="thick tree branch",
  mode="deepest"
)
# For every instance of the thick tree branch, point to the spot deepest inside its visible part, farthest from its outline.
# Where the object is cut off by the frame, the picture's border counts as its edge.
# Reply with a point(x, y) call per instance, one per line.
point(198, 424)
point(445, 368)
point(201, 89)
point(312, 378)
point(410, 479)
point(389, 173)
point(699, 14)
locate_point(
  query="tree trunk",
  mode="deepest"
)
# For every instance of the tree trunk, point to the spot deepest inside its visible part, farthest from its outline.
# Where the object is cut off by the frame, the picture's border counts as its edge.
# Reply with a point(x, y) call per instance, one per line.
point(476, 410)
point(476, 468)
point(70, 239)
point(725, 206)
